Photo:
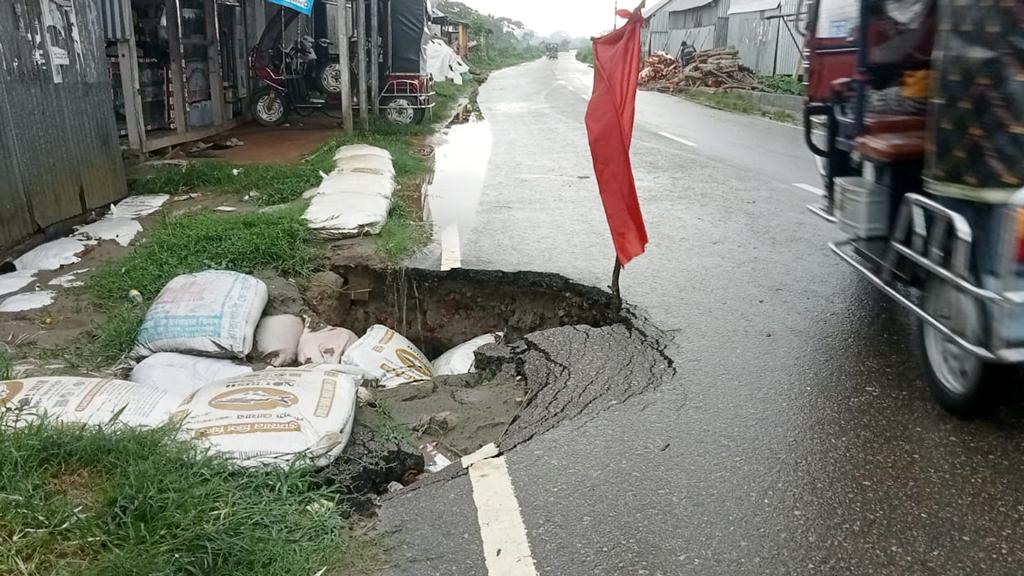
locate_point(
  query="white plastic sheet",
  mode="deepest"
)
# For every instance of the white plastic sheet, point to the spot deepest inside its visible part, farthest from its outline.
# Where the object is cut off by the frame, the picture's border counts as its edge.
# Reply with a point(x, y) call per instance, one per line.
point(118, 228)
point(14, 281)
point(443, 63)
point(53, 255)
point(139, 206)
point(27, 301)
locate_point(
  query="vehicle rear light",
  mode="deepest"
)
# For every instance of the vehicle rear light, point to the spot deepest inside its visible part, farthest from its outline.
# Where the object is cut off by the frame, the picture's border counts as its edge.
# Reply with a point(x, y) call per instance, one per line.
point(1019, 221)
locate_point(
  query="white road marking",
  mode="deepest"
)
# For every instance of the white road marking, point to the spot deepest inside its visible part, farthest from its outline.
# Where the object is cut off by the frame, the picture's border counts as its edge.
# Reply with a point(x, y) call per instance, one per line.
point(489, 451)
point(678, 139)
point(812, 189)
point(451, 249)
point(506, 548)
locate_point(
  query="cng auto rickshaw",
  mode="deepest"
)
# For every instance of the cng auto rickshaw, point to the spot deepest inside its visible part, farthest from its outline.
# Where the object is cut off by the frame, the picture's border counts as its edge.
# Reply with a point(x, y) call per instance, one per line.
point(915, 110)
point(552, 51)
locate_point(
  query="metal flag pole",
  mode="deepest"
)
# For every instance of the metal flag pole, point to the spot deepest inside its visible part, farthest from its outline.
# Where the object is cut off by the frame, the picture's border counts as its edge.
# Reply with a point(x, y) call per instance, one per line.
point(615, 16)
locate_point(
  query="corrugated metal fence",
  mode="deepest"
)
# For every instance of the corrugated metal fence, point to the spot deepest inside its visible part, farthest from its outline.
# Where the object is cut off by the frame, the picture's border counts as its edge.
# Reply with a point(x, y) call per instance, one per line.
point(59, 153)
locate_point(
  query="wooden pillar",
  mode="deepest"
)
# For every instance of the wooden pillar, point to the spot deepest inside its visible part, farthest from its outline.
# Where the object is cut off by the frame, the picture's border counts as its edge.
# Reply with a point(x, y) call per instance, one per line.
point(341, 20)
point(177, 66)
point(364, 111)
point(375, 55)
point(214, 61)
point(128, 63)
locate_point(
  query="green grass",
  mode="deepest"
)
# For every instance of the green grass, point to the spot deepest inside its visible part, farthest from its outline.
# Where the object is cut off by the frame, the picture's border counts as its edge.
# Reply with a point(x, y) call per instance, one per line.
point(736, 103)
point(278, 240)
point(585, 54)
point(498, 59)
point(273, 184)
point(122, 502)
point(403, 233)
point(6, 364)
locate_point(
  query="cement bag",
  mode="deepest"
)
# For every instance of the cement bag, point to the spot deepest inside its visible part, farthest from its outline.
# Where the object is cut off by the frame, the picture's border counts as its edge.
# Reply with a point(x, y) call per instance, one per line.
point(357, 184)
point(461, 359)
point(366, 164)
point(92, 400)
point(277, 339)
point(212, 313)
point(386, 356)
point(185, 374)
point(274, 416)
point(361, 150)
point(325, 346)
point(345, 214)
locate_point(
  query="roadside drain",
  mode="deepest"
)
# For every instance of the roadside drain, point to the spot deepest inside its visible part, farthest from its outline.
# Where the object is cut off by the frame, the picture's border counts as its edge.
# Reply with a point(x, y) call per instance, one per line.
point(568, 351)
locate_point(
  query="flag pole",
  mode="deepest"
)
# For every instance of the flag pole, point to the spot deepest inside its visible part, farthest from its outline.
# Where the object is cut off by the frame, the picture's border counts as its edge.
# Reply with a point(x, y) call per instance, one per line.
point(616, 271)
point(615, 16)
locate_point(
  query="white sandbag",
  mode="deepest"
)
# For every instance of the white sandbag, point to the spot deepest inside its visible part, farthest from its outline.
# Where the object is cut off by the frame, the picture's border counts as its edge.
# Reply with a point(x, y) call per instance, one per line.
point(357, 183)
point(361, 150)
point(366, 164)
point(277, 339)
point(186, 374)
point(388, 357)
point(92, 400)
point(325, 346)
point(347, 215)
point(462, 358)
point(212, 313)
point(275, 416)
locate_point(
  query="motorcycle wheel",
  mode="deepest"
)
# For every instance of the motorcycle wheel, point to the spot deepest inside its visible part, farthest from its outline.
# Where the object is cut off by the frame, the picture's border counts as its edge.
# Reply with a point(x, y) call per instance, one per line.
point(329, 78)
point(401, 110)
point(269, 107)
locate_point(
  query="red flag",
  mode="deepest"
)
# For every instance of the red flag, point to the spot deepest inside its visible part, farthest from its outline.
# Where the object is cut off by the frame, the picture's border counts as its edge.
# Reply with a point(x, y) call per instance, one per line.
point(610, 127)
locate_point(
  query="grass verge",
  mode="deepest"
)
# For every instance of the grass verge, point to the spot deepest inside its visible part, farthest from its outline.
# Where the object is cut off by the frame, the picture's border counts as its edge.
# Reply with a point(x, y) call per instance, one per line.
point(733, 102)
point(277, 240)
point(139, 502)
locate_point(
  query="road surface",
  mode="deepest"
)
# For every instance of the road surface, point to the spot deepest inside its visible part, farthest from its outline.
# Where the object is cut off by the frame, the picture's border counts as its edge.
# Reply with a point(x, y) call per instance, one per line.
point(798, 436)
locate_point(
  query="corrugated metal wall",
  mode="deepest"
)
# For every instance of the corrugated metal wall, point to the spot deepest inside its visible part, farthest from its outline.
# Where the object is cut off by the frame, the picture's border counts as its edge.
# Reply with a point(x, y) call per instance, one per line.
point(59, 154)
point(757, 39)
point(699, 22)
point(789, 60)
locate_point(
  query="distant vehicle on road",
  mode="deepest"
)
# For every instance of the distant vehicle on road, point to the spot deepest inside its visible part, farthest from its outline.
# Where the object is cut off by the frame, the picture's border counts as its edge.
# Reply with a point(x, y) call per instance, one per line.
point(552, 51)
point(929, 196)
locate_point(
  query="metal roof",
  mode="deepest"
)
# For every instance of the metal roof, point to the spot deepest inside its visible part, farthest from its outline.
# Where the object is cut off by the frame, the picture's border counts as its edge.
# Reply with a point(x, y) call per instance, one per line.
point(675, 5)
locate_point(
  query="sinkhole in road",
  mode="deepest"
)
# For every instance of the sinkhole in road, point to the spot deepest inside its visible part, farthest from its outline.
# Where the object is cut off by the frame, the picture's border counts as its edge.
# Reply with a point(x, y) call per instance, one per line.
point(568, 350)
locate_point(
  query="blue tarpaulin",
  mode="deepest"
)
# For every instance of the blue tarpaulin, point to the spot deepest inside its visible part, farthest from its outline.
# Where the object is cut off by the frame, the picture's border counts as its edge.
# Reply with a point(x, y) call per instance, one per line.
point(304, 6)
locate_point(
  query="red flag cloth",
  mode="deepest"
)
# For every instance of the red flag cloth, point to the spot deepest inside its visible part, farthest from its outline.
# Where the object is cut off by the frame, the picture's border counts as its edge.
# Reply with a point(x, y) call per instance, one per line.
point(610, 128)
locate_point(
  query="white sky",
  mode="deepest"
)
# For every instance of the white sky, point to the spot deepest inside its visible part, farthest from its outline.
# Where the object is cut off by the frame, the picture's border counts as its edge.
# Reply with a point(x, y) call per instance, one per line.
point(583, 18)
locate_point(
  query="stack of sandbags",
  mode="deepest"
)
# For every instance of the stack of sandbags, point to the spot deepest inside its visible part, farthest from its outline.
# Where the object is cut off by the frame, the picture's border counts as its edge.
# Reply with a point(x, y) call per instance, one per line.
point(355, 198)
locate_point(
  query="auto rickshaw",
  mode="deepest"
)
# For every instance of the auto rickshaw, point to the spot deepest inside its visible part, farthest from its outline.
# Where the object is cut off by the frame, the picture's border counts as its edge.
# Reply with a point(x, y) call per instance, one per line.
point(296, 66)
point(915, 109)
point(551, 50)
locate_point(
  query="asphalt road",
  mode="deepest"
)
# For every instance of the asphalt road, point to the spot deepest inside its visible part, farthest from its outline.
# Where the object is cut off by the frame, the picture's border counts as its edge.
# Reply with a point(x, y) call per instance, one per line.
point(800, 435)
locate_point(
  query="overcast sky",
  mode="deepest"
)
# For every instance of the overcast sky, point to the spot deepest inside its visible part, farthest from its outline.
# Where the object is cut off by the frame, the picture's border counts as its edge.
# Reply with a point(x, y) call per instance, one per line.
point(578, 17)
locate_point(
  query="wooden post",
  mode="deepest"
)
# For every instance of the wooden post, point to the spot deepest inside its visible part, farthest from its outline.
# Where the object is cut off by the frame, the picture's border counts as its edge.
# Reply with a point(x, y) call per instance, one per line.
point(213, 62)
point(341, 19)
point(177, 67)
point(128, 63)
point(375, 55)
point(616, 271)
point(364, 112)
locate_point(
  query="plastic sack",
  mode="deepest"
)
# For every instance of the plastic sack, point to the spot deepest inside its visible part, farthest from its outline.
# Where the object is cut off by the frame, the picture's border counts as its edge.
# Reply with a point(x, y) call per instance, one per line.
point(212, 313)
point(360, 150)
point(461, 359)
point(92, 400)
point(325, 346)
point(185, 374)
point(274, 416)
point(350, 204)
point(443, 63)
point(366, 164)
point(388, 357)
point(277, 339)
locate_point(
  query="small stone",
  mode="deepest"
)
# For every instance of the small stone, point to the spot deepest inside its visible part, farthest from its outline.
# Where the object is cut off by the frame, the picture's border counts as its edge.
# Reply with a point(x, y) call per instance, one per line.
point(437, 423)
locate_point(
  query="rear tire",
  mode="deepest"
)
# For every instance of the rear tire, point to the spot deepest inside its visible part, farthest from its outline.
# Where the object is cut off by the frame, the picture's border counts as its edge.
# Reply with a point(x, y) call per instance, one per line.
point(401, 110)
point(961, 383)
point(269, 107)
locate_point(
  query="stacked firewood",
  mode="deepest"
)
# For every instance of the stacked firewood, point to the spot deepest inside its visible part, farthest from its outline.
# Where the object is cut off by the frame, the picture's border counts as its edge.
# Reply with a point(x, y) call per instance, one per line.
point(719, 68)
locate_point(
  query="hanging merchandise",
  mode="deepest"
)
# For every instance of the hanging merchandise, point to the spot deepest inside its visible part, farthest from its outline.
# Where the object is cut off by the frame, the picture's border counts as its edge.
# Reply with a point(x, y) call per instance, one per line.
point(303, 6)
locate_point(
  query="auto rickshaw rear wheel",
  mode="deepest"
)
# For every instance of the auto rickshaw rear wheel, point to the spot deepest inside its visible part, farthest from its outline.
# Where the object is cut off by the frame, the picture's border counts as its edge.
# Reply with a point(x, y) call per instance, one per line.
point(269, 107)
point(402, 110)
point(960, 382)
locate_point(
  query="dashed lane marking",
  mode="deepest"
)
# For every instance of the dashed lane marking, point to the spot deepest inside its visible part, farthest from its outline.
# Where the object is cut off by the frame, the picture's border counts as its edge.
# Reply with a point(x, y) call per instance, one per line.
point(678, 139)
point(808, 188)
point(506, 548)
point(451, 248)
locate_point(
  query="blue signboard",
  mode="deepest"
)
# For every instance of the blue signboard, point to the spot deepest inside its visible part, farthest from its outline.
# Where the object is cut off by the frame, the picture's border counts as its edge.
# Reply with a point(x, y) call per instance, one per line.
point(304, 6)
